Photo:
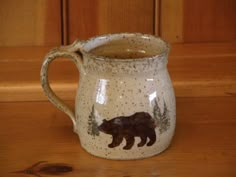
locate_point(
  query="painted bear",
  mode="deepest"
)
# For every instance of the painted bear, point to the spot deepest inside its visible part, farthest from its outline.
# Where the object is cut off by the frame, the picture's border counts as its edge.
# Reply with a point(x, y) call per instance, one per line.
point(140, 124)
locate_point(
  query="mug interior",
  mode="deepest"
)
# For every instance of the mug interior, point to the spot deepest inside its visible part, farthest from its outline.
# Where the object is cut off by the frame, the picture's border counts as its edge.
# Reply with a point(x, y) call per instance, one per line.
point(125, 46)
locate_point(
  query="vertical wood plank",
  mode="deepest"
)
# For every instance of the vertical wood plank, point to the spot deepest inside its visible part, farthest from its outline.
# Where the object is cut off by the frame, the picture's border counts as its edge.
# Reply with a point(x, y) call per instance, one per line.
point(171, 22)
point(157, 18)
point(209, 21)
point(93, 17)
point(27, 23)
point(64, 12)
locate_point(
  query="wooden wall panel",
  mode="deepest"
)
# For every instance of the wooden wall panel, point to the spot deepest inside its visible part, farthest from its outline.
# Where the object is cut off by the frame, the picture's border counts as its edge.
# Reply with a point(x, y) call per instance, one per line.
point(196, 21)
point(171, 20)
point(157, 17)
point(209, 21)
point(93, 17)
point(30, 22)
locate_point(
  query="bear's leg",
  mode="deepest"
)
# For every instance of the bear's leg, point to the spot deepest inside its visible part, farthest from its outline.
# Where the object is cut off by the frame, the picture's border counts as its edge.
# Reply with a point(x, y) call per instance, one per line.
point(152, 137)
point(116, 140)
point(143, 140)
point(129, 142)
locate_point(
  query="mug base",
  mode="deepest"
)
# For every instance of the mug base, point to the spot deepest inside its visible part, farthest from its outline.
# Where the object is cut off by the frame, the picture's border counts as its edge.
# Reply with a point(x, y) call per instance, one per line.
point(137, 157)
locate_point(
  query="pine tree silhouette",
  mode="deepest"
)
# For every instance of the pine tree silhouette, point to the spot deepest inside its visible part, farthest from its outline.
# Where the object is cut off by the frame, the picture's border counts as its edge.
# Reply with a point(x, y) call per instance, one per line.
point(165, 119)
point(92, 124)
point(162, 119)
point(156, 113)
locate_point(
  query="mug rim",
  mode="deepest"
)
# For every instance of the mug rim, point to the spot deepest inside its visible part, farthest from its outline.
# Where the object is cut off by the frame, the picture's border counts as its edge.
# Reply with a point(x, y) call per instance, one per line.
point(104, 58)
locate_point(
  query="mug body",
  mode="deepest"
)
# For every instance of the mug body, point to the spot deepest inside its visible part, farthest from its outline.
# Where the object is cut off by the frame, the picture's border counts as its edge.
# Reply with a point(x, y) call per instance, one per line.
point(125, 103)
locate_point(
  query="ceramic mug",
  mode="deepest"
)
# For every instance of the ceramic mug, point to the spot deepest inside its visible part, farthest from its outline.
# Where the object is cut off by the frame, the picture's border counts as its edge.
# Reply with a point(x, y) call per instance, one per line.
point(125, 104)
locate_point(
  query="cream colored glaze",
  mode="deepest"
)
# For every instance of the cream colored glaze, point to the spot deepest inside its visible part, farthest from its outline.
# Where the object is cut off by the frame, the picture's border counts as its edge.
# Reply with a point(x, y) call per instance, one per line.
point(112, 87)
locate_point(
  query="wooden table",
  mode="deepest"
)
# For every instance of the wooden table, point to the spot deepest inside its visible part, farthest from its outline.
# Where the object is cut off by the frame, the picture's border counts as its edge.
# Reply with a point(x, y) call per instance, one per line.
point(37, 140)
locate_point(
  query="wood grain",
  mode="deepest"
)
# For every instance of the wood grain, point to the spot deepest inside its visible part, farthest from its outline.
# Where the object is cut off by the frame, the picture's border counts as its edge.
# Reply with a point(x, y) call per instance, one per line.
point(20, 74)
point(189, 21)
point(157, 17)
point(93, 17)
point(27, 22)
point(209, 21)
point(64, 14)
point(171, 20)
point(203, 145)
point(195, 69)
point(203, 69)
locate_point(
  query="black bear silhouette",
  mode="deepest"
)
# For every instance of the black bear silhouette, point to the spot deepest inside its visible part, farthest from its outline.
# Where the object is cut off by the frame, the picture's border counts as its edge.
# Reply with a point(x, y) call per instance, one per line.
point(140, 124)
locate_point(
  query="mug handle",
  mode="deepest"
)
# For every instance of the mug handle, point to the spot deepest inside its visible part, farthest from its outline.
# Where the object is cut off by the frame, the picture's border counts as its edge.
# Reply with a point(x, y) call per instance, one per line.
point(65, 52)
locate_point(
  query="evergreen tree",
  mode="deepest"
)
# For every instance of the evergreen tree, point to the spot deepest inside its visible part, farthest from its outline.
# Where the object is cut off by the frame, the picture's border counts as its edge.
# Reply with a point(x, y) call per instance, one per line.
point(92, 124)
point(162, 119)
point(157, 113)
point(165, 120)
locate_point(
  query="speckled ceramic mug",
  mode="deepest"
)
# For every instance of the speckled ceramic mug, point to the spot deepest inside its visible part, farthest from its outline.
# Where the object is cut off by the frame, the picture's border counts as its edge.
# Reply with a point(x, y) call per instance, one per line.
point(125, 103)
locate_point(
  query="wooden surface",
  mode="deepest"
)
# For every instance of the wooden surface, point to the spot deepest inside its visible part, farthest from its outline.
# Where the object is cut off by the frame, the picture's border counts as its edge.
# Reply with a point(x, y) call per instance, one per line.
point(204, 143)
point(171, 20)
point(157, 16)
point(190, 21)
point(93, 17)
point(209, 21)
point(196, 70)
point(27, 22)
